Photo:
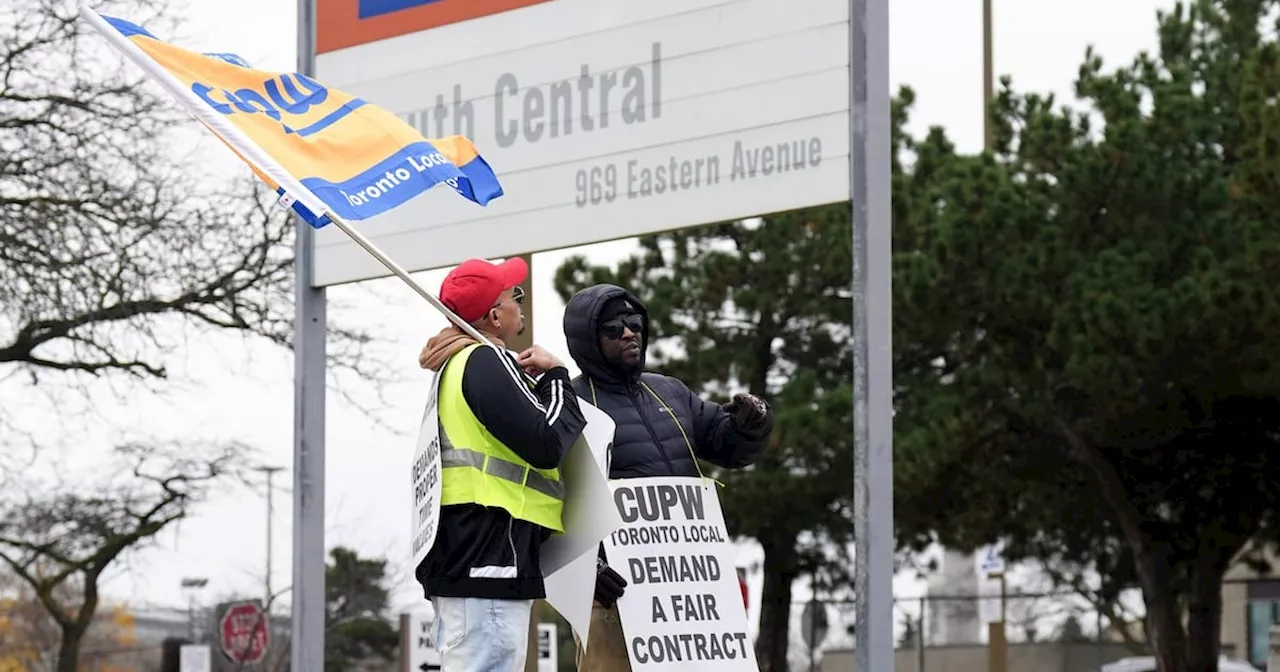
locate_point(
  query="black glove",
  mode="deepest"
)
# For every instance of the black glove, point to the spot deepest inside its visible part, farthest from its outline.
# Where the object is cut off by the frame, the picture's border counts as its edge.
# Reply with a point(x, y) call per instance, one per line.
point(609, 584)
point(748, 410)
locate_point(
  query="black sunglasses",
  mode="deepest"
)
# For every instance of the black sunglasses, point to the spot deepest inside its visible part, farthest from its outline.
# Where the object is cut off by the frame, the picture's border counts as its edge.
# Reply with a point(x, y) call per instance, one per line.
point(613, 329)
point(517, 295)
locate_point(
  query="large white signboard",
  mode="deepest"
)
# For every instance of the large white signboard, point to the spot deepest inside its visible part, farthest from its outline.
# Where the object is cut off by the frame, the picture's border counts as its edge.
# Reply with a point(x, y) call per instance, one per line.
point(606, 119)
point(682, 609)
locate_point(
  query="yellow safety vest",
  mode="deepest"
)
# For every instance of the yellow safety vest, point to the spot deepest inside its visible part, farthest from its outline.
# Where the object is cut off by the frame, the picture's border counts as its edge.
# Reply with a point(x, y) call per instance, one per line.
point(479, 469)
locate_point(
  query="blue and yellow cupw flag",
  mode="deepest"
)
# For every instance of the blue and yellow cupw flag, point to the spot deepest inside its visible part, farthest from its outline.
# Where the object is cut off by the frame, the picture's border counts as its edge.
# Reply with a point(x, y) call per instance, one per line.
point(324, 151)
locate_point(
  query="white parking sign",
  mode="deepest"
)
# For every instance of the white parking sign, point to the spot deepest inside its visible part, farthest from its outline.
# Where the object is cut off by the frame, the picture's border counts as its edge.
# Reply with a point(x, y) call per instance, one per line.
point(423, 656)
point(991, 559)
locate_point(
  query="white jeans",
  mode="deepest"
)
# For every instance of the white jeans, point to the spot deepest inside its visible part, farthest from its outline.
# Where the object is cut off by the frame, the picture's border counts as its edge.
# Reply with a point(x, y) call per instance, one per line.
point(482, 635)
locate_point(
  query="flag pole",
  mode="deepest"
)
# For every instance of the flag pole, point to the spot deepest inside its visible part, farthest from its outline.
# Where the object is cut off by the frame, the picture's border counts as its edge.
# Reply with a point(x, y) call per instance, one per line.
point(253, 155)
point(395, 268)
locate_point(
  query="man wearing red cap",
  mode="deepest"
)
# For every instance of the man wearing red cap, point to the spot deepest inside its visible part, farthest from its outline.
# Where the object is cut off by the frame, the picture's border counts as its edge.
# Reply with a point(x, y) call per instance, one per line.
point(502, 438)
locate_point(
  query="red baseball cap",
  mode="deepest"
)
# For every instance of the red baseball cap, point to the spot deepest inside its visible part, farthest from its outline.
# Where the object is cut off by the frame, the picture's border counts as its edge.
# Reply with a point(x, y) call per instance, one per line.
point(472, 288)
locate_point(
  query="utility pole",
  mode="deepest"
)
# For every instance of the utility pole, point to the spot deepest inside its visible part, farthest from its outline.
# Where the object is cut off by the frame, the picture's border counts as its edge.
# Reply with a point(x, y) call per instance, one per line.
point(270, 471)
point(997, 633)
point(191, 585)
point(988, 78)
point(920, 635)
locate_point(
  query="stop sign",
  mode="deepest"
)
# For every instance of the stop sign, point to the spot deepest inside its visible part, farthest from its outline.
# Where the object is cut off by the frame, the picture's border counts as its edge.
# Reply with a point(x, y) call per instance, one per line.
point(244, 633)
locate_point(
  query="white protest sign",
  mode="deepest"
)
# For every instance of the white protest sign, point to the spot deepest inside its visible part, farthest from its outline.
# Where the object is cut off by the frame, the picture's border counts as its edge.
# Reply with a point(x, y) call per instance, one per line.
point(426, 479)
point(682, 609)
point(589, 517)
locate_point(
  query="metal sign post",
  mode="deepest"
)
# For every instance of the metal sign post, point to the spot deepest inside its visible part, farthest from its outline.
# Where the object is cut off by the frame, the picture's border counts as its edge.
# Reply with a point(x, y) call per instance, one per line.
point(307, 628)
point(870, 177)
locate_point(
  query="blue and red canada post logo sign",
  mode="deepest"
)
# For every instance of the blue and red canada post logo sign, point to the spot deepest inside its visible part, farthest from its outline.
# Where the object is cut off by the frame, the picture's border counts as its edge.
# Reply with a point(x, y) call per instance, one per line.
point(347, 23)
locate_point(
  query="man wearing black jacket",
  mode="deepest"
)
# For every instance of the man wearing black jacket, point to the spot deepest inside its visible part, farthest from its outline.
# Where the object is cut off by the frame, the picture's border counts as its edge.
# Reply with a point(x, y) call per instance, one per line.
point(662, 428)
point(502, 439)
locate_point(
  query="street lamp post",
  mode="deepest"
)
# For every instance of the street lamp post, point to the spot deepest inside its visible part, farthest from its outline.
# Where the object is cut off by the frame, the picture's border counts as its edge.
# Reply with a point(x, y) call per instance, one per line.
point(191, 585)
point(270, 471)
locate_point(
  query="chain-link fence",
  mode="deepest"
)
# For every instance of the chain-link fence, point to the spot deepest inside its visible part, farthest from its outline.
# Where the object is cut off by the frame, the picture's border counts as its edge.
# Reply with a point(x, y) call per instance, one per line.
point(1046, 632)
point(1030, 617)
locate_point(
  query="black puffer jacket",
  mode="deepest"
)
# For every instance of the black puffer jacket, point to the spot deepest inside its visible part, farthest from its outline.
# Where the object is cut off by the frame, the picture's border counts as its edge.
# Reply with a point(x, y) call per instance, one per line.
point(647, 441)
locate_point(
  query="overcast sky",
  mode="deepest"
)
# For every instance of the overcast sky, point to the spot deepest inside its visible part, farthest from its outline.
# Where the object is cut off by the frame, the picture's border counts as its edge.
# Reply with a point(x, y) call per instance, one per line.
point(225, 389)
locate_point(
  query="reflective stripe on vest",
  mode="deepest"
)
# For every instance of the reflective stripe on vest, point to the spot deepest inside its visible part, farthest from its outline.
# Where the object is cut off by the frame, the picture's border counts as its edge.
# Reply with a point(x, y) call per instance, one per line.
point(498, 467)
point(479, 469)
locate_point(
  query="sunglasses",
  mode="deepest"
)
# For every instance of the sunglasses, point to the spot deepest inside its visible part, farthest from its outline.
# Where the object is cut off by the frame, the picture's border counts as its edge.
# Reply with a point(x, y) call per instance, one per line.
point(613, 329)
point(517, 295)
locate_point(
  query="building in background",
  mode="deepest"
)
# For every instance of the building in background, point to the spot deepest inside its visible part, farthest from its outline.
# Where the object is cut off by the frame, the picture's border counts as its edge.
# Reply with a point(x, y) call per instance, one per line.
point(151, 627)
point(953, 621)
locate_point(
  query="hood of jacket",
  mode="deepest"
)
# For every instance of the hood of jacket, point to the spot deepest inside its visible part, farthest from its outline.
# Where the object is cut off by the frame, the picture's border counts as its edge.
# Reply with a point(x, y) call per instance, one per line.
point(447, 343)
point(581, 317)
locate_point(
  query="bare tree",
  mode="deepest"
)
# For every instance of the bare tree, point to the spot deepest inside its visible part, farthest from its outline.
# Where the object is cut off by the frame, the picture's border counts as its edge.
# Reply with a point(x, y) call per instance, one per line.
point(1106, 601)
point(68, 533)
point(29, 637)
point(112, 247)
point(110, 241)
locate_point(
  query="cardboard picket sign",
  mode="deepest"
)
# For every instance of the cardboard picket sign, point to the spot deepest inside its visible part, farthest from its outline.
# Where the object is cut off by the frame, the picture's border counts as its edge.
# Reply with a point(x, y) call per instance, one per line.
point(682, 608)
point(425, 491)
